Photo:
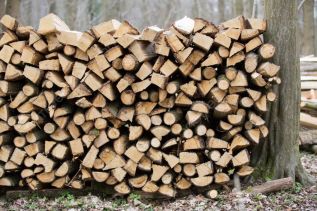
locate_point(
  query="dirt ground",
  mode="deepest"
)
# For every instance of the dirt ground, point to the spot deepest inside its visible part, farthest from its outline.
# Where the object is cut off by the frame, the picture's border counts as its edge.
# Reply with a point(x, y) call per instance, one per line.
point(297, 198)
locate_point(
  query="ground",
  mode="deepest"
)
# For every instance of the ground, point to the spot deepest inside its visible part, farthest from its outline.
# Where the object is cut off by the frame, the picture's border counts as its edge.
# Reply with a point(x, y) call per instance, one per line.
point(297, 198)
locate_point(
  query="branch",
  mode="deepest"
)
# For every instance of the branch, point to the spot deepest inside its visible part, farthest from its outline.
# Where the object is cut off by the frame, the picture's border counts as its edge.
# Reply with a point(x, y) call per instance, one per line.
point(300, 5)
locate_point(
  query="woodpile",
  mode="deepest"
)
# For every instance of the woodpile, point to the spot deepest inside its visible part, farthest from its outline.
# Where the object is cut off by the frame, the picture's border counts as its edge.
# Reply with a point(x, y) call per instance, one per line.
point(158, 110)
point(308, 116)
point(308, 139)
point(308, 84)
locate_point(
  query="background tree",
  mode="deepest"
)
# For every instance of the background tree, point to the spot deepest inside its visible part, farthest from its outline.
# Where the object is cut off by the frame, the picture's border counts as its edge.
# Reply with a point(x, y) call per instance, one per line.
point(279, 156)
point(2, 7)
point(308, 33)
point(248, 7)
point(315, 28)
point(71, 8)
point(13, 8)
point(83, 20)
point(238, 7)
point(221, 9)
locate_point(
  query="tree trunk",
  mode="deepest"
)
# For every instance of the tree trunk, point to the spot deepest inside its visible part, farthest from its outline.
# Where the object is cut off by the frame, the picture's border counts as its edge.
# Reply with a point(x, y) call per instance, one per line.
point(60, 9)
point(278, 157)
point(259, 9)
point(52, 6)
point(248, 7)
point(13, 8)
point(82, 22)
point(2, 9)
point(300, 28)
point(38, 9)
point(238, 4)
point(315, 28)
point(221, 11)
point(71, 6)
point(308, 37)
point(112, 8)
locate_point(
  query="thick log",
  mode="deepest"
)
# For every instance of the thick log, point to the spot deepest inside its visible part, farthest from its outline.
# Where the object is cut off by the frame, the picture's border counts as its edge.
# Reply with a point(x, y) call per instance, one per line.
point(273, 186)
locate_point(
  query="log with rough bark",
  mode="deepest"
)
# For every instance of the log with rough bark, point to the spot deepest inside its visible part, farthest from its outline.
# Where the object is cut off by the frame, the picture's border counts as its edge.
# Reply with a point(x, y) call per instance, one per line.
point(273, 186)
point(161, 110)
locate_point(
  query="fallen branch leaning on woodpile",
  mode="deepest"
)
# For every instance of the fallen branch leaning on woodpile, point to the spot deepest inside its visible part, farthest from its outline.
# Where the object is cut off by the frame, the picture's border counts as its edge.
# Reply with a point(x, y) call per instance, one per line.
point(160, 111)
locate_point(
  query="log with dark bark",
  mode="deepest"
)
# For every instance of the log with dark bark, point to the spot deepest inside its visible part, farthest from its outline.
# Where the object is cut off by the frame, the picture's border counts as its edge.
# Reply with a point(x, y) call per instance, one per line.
point(273, 186)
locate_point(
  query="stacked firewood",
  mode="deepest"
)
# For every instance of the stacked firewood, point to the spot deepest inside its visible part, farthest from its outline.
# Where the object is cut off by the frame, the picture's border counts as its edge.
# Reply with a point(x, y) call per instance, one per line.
point(160, 110)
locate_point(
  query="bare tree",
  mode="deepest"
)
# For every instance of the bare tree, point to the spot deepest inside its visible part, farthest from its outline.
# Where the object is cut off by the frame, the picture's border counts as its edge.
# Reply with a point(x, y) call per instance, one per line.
point(13, 8)
point(36, 10)
point(308, 32)
point(82, 22)
point(259, 13)
point(248, 8)
point(110, 10)
point(61, 9)
point(2, 7)
point(94, 8)
point(238, 7)
point(278, 156)
point(71, 8)
point(221, 10)
point(51, 6)
point(104, 10)
point(315, 28)
point(132, 11)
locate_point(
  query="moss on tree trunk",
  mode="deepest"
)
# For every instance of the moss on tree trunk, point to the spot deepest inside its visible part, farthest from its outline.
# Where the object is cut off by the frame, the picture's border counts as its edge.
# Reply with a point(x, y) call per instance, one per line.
point(278, 156)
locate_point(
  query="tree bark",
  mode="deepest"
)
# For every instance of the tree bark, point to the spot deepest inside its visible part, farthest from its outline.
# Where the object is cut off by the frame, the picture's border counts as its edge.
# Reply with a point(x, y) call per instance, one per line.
point(315, 28)
point(274, 185)
point(308, 36)
point(221, 11)
point(71, 6)
point(278, 157)
point(61, 9)
point(82, 22)
point(300, 27)
point(238, 7)
point(109, 6)
point(259, 9)
point(248, 7)
point(2, 9)
point(37, 9)
point(52, 6)
point(13, 8)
